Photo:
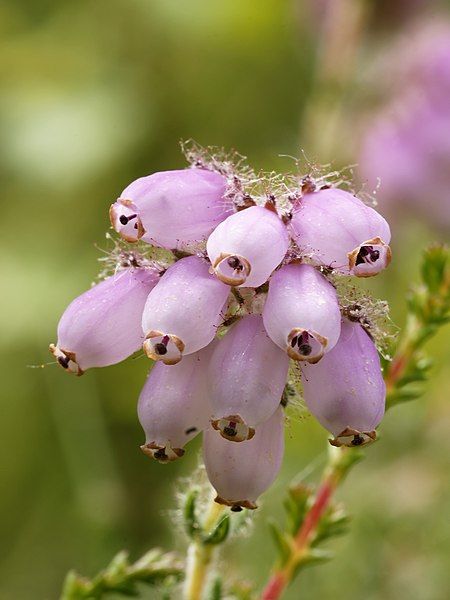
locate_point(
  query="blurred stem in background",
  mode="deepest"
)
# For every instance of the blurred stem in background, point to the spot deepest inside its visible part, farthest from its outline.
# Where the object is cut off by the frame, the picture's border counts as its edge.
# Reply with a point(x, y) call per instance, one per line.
point(340, 33)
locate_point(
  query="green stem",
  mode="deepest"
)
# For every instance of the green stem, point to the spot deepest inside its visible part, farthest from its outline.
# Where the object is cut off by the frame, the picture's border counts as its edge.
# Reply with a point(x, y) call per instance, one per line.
point(200, 556)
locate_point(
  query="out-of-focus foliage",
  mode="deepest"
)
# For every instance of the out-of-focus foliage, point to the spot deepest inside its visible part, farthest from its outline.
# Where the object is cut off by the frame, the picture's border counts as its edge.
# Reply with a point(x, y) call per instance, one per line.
point(95, 94)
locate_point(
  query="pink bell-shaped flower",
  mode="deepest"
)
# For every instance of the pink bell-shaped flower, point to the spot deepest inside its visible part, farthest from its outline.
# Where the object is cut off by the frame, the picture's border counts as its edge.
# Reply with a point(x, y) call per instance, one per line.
point(171, 209)
point(183, 311)
point(173, 406)
point(246, 247)
point(103, 326)
point(346, 391)
point(301, 313)
point(339, 231)
point(240, 473)
point(246, 377)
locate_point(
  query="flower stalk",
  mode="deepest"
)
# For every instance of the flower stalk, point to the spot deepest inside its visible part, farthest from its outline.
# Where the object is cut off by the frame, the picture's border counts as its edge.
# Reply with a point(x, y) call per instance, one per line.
point(201, 551)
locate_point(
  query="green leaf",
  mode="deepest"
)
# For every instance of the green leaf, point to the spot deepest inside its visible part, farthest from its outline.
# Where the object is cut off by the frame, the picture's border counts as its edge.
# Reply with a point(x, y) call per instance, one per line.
point(434, 266)
point(122, 578)
point(282, 540)
point(216, 590)
point(219, 533)
point(296, 505)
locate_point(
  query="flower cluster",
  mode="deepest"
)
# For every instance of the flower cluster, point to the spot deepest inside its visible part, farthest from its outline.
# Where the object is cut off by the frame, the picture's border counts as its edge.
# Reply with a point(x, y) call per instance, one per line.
point(248, 290)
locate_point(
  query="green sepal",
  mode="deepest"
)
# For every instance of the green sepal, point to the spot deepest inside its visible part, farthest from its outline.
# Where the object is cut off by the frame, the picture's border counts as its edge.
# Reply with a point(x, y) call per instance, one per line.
point(191, 524)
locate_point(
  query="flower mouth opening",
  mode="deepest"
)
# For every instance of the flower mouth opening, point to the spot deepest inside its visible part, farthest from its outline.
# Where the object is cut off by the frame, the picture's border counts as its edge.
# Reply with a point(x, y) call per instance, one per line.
point(125, 220)
point(233, 428)
point(352, 438)
point(236, 505)
point(66, 359)
point(305, 345)
point(231, 269)
point(164, 346)
point(163, 454)
point(369, 258)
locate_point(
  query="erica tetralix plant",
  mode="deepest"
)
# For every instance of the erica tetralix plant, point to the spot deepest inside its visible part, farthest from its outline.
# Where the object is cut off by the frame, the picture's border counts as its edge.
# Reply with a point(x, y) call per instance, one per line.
point(248, 276)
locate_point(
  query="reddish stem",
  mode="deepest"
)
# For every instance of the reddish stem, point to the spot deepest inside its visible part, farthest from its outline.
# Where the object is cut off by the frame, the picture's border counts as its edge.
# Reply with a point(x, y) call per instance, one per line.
point(274, 587)
point(315, 513)
point(396, 371)
point(280, 579)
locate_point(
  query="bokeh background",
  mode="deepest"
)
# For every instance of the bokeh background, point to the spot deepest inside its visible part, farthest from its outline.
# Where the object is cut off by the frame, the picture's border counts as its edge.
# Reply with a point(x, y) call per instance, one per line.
point(96, 94)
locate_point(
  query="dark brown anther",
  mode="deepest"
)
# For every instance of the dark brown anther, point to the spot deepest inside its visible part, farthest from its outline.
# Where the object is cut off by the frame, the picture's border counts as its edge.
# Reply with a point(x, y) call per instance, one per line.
point(294, 341)
point(160, 349)
point(236, 508)
point(357, 440)
point(367, 252)
point(160, 454)
point(124, 219)
point(63, 361)
point(230, 431)
point(234, 263)
point(305, 349)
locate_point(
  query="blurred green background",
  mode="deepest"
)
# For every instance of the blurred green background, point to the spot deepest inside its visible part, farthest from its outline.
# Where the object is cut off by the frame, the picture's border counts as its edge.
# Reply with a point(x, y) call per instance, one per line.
point(94, 95)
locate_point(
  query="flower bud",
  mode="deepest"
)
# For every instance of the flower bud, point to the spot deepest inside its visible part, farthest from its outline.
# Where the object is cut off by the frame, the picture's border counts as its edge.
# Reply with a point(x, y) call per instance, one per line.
point(103, 326)
point(173, 407)
point(243, 391)
point(301, 313)
point(183, 311)
point(246, 247)
point(346, 391)
point(172, 208)
point(338, 230)
point(240, 473)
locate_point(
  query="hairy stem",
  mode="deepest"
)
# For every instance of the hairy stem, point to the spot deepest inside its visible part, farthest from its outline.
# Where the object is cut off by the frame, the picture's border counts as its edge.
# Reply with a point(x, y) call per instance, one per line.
point(200, 556)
